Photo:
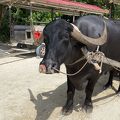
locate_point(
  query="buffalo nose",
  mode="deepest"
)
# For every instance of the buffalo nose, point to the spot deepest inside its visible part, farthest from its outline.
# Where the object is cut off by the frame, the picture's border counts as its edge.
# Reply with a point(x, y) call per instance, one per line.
point(54, 65)
point(51, 67)
point(55, 68)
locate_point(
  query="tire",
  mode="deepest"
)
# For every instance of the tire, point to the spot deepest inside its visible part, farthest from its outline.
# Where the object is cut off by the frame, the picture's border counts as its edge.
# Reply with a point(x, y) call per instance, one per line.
point(40, 50)
point(20, 45)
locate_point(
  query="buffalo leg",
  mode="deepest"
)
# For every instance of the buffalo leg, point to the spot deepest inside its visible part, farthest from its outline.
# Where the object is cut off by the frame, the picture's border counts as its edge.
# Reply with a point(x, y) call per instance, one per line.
point(68, 107)
point(109, 83)
point(118, 91)
point(88, 107)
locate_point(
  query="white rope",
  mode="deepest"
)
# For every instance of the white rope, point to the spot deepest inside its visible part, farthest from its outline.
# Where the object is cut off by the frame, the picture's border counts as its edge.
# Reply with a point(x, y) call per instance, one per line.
point(93, 58)
point(99, 57)
point(73, 73)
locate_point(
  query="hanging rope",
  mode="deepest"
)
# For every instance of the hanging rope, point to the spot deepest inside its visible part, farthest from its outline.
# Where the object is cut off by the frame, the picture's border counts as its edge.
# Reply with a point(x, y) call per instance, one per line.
point(96, 58)
point(73, 73)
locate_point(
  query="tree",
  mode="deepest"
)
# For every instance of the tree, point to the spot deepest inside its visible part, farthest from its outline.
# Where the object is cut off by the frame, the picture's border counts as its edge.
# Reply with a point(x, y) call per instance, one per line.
point(106, 4)
point(2, 11)
point(4, 24)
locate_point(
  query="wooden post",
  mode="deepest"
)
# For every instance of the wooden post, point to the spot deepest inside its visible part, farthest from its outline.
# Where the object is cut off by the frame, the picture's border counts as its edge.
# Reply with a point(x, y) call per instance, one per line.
point(10, 6)
point(31, 21)
point(73, 17)
point(112, 8)
point(111, 62)
point(52, 14)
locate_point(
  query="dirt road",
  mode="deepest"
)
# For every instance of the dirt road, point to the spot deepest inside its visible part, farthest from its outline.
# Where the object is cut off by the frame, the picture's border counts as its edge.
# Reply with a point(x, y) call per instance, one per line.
point(25, 94)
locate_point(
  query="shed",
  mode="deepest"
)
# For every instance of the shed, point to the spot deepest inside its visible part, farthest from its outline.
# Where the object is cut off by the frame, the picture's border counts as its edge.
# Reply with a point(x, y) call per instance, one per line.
point(64, 6)
point(67, 7)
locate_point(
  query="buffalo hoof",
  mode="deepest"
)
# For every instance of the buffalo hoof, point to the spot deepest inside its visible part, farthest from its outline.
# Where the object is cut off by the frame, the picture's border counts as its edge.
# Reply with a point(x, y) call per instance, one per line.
point(87, 107)
point(68, 108)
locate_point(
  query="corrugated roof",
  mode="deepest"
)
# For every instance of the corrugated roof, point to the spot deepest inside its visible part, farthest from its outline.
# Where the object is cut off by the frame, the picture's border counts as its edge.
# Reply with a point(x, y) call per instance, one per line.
point(64, 6)
point(77, 5)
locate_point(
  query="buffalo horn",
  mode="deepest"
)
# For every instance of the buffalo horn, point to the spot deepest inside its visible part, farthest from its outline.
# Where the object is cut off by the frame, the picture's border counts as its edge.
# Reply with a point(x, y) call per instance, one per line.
point(88, 40)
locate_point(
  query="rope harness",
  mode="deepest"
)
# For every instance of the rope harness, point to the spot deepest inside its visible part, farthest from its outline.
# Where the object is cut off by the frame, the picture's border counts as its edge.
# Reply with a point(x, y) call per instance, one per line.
point(73, 73)
point(96, 58)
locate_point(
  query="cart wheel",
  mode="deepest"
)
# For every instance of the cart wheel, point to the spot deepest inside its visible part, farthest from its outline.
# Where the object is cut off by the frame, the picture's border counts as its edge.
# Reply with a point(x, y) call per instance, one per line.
point(20, 45)
point(40, 50)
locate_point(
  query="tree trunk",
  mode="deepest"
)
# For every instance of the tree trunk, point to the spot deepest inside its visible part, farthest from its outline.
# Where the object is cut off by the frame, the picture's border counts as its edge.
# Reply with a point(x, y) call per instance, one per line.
point(1, 14)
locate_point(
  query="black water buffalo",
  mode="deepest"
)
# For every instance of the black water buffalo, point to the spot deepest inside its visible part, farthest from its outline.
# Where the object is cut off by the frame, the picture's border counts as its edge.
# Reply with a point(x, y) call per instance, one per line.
point(63, 45)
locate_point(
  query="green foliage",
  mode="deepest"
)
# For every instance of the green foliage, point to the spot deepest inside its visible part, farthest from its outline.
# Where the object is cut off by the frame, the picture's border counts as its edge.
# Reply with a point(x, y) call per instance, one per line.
point(22, 17)
point(41, 17)
point(115, 14)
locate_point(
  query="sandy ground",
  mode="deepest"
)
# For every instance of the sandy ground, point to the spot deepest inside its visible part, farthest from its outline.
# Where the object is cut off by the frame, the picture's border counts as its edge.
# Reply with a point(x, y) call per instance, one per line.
point(25, 94)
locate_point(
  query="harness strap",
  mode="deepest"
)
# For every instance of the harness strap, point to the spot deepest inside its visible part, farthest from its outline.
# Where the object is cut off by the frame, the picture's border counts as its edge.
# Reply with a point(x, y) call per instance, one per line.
point(94, 58)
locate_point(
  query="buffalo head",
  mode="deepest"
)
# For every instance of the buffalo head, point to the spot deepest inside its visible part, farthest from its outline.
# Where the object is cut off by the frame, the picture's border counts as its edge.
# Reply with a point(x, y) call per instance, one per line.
point(58, 37)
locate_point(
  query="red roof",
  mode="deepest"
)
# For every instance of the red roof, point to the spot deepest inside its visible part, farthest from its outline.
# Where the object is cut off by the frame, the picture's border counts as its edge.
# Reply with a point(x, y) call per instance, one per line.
point(63, 6)
point(77, 5)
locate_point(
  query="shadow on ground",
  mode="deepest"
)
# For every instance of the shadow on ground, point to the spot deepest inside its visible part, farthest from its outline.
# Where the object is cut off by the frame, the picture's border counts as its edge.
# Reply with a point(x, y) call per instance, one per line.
point(47, 102)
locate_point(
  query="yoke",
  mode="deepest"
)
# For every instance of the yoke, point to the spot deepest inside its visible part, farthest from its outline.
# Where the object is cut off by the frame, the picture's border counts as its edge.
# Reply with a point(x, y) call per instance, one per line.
point(99, 57)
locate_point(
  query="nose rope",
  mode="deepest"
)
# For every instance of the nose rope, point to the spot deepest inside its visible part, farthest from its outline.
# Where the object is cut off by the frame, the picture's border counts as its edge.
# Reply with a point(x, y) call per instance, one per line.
point(73, 73)
point(90, 59)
